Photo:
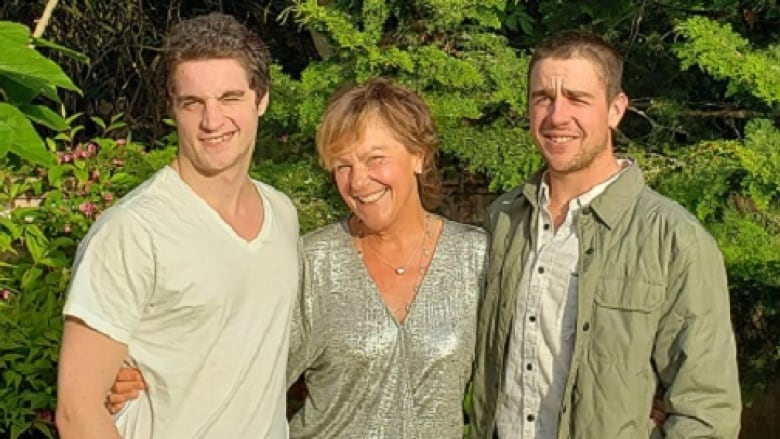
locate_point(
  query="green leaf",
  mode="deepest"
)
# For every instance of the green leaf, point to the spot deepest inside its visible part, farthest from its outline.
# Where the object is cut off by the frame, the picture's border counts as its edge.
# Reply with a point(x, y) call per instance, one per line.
point(13, 34)
point(45, 116)
point(70, 53)
point(18, 92)
point(17, 132)
point(35, 241)
point(30, 64)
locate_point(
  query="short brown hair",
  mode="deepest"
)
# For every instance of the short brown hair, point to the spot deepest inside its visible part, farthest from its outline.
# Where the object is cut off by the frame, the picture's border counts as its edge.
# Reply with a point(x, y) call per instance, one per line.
point(579, 44)
point(402, 111)
point(217, 36)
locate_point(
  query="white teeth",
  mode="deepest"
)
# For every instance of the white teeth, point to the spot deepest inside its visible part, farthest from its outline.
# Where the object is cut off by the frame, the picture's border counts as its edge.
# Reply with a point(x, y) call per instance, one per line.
point(372, 198)
point(220, 139)
point(562, 139)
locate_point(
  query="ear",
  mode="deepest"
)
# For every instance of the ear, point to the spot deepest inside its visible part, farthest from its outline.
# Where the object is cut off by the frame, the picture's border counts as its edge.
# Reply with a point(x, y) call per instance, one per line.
point(419, 161)
point(617, 108)
point(263, 104)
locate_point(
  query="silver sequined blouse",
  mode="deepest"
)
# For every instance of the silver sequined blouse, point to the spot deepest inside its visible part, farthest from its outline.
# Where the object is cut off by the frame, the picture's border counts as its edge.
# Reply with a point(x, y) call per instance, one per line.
point(367, 375)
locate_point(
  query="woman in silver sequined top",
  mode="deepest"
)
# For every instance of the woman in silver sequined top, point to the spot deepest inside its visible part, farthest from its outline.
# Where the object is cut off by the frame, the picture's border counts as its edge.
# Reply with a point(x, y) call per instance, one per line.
point(384, 327)
point(385, 324)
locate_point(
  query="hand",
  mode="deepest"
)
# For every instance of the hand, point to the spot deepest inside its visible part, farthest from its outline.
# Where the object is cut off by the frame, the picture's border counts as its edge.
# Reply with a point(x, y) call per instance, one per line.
point(128, 385)
point(657, 412)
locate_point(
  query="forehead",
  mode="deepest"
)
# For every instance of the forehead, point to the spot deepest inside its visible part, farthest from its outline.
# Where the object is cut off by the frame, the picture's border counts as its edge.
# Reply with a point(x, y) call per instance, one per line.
point(370, 135)
point(208, 76)
point(574, 73)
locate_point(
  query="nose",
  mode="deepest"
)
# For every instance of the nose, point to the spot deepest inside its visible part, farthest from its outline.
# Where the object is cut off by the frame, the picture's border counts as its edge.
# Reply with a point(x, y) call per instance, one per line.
point(559, 111)
point(358, 177)
point(213, 116)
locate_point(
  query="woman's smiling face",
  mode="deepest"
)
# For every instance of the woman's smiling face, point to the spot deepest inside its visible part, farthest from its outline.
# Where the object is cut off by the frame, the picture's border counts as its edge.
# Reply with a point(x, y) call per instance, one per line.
point(377, 177)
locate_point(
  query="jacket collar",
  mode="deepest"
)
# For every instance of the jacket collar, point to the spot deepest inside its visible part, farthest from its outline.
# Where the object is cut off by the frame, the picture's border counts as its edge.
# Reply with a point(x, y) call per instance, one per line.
point(609, 206)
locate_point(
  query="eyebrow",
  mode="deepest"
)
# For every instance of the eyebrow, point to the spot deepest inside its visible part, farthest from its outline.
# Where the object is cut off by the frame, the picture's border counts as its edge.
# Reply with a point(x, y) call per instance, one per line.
point(567, 92)
point(373, 149)
point(226, 94)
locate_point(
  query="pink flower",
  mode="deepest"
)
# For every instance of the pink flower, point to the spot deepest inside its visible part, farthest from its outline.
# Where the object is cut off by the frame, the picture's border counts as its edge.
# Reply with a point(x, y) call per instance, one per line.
point(121, 142)
point(5, 294)
point(78, 152)
point(95, 175)
point(91, 150)
point(66, 228)
point(108, 197)
point(64, 157)
point(88, 209)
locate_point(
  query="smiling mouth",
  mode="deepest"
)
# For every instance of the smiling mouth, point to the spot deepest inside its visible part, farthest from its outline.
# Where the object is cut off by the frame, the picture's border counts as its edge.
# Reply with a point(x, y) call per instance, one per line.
point(372, 198)
point(217, 140)
point(559, 139)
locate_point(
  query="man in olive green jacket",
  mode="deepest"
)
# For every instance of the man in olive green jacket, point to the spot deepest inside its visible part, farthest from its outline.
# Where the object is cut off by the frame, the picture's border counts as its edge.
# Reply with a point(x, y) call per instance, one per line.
point(601, 293)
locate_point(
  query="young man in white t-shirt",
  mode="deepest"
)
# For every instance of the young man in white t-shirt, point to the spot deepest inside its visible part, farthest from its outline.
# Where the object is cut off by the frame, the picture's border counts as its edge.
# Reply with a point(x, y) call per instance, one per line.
point(191, 277)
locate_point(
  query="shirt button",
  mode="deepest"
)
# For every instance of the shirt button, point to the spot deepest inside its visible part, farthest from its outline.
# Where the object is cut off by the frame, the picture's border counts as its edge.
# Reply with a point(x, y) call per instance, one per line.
point(586, 327)
point(546, 227)
point(532, 319)
point(530, 418)
point(529, 366)
point(541, 270)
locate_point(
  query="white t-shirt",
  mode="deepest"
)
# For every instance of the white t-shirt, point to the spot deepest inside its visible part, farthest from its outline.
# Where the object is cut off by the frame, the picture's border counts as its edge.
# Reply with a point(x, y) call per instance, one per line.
point(205, 314)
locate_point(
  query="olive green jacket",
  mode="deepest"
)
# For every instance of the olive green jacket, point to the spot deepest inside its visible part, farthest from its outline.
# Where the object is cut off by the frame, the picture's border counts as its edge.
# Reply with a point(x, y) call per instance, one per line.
point(652, 316)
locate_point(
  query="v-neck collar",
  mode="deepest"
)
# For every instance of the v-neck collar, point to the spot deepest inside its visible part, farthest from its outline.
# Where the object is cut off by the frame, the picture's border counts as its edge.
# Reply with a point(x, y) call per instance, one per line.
point(376, 295)
point(212, 216)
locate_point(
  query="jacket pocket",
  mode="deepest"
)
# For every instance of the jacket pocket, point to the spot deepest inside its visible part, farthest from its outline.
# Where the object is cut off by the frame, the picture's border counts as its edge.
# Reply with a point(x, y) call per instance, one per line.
point(625, 320)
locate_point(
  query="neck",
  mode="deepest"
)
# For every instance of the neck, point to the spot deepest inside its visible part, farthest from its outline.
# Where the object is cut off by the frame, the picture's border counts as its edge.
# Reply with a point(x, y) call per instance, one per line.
point(222, 191)
point(403, 233)
point(564, 186)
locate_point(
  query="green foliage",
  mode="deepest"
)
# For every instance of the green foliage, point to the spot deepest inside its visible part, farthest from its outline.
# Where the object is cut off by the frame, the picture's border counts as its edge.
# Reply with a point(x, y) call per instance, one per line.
point(24, 76)
point(309, 186)
point(450, 52)
point(44, 212)
point(724, 54)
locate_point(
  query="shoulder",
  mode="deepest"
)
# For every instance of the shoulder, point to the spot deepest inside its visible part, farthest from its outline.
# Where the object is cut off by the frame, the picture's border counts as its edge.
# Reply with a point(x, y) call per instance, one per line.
point(673, 224)
point(325, 238)
point(465, 233)
point(276, 197)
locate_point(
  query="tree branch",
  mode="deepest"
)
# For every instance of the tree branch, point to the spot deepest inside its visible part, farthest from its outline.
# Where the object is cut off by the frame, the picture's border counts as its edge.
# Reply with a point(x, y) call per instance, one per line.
point(44, 20)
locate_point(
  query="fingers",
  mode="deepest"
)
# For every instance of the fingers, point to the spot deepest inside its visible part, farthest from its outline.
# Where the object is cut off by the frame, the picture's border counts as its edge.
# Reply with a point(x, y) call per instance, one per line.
point(127, 386)
point(121, 398)
point(657, 412)
point(126, 374)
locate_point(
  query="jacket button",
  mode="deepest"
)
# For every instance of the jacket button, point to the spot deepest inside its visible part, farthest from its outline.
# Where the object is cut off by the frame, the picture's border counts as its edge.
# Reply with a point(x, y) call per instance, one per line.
point(586, 327)
point(530, 418)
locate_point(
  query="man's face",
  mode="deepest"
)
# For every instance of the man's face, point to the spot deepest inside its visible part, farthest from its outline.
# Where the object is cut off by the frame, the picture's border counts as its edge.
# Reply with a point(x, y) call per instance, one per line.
point(217, 114)
point(570, 115)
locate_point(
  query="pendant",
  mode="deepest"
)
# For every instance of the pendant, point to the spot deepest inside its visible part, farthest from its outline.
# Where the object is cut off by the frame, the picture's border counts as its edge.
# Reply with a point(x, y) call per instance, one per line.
point(400, 271)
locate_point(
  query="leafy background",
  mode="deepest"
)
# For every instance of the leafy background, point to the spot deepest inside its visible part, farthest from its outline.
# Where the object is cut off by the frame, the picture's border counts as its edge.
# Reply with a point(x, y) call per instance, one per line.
point(83, 120)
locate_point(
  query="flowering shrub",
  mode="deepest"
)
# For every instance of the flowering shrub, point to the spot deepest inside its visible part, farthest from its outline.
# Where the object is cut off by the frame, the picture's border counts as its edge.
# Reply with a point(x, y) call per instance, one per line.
point(44, 212)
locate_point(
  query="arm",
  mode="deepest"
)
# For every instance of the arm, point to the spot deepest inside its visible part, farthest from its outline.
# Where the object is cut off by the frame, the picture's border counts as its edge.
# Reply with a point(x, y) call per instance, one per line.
point(113, 279)
point(301, 356)
point(695, 350)
point(89, 361)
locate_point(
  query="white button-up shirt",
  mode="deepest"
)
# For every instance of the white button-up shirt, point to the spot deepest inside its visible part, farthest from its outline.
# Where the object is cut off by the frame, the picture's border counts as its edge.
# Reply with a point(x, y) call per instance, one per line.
point(544, 326)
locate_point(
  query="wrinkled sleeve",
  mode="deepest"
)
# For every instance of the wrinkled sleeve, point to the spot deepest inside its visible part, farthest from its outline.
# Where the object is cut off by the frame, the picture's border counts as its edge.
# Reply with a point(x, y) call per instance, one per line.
point(114, 275)
point(695, 352)
point(302, 345)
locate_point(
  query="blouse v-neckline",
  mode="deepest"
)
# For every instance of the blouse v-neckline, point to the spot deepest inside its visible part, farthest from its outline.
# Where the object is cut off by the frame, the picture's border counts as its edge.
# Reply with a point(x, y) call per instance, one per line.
point(376, 293)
